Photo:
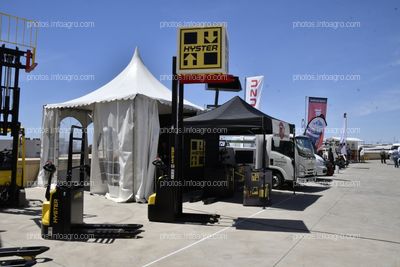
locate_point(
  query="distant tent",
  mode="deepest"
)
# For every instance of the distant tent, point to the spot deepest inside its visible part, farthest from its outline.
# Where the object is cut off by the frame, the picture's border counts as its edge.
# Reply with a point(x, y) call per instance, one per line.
point(238, 117)
point(125, 115)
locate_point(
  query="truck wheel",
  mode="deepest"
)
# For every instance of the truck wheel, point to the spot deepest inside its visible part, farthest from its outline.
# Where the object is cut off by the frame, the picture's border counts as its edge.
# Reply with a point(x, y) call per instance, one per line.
point(277, 180)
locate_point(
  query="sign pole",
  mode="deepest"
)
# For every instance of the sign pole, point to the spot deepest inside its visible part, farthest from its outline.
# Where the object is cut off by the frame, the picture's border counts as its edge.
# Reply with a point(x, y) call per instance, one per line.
point(305, 112)
point(179, 148)
point(173, 137)
point(173, 117)
point(216, 98)
point(294, 161)
point(245, 87)
point(264, 152)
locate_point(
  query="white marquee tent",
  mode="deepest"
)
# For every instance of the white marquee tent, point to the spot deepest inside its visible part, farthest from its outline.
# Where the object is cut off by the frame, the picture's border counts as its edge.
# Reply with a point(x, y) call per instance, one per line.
point(125, 115)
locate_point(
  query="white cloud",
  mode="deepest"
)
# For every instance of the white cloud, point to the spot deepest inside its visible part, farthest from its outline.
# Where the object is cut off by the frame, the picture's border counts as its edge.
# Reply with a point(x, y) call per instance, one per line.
point(395, 63)
point(383, 102)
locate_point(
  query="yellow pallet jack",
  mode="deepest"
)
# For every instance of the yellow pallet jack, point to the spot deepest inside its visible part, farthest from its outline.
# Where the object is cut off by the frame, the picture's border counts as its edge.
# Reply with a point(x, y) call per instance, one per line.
point(62, 213)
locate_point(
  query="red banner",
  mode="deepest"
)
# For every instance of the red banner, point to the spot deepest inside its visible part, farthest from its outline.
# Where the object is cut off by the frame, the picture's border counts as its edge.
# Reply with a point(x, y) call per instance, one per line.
point(316, 107)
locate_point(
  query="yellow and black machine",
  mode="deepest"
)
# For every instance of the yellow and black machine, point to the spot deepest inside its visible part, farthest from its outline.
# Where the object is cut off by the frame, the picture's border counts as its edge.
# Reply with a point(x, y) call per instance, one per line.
point(165, 205)
point(6, 167)
point(17, 52)
point(62, 213)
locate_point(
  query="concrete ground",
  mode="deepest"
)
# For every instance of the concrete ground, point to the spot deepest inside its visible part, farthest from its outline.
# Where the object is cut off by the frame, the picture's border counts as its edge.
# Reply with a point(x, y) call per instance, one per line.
point(351, 220)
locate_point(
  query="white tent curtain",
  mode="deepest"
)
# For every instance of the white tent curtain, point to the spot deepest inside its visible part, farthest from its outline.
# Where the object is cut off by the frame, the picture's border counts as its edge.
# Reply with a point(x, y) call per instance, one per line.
point(147, 130)
point(124, 145)
point(50, 134)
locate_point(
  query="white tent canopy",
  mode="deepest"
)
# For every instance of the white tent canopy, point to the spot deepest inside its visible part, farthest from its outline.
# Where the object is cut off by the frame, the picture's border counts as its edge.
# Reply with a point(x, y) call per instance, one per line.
point(125, 115)
point(134, 80)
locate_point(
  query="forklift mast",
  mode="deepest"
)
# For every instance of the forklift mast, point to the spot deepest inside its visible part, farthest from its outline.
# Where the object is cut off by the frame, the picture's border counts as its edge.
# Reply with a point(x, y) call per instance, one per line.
point(10, 61)
point(17, 51)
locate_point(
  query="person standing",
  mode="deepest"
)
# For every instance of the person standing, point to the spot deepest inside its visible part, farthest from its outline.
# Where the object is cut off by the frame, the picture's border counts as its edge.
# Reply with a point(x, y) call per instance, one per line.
point(395, 157)
point(331, 163)
point(348, 152)
point(383, 156)
point(331, 158)
point(398, 157)
point(362, 152)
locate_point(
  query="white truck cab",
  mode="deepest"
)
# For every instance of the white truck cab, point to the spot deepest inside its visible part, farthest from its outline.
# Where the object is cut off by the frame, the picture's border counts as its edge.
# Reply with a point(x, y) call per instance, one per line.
point(393, 148)
point(281, 157)
point(305, 157)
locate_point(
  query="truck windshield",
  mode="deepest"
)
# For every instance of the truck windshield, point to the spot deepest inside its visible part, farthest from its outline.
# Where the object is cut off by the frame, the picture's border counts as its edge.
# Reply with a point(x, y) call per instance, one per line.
point(284, 147)
point(304, 146)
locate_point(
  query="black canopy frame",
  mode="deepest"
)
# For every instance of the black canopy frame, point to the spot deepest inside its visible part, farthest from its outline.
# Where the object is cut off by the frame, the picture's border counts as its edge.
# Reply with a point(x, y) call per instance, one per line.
point(237, 117)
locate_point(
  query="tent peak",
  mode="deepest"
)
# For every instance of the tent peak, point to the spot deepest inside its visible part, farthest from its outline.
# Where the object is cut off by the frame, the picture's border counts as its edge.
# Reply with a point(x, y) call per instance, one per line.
point(136, 56)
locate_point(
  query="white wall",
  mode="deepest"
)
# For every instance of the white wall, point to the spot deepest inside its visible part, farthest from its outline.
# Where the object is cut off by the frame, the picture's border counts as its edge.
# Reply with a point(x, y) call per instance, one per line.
point(32, 147)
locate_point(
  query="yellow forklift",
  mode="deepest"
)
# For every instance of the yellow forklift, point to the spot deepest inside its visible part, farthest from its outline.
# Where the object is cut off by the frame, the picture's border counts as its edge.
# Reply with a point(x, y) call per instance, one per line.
point(16, 53)
point(6, 164)
point(11, 184)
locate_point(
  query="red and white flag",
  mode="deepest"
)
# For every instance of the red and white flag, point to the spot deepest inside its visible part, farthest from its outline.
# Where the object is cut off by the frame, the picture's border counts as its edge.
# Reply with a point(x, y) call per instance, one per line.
point(254, 86)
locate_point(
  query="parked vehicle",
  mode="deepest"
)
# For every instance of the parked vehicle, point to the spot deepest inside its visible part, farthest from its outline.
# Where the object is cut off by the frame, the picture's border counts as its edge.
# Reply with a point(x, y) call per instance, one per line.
point(320, 166)
point(281, 155)
point(392, 149)
point(305, 157)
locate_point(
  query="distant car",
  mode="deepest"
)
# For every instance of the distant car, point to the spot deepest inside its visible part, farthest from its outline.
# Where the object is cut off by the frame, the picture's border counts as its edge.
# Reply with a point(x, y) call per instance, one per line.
point(393, 148)
point(320, 166)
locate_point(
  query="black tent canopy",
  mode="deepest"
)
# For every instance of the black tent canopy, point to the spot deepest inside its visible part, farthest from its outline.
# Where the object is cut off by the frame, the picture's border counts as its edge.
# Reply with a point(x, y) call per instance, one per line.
point(238, 117)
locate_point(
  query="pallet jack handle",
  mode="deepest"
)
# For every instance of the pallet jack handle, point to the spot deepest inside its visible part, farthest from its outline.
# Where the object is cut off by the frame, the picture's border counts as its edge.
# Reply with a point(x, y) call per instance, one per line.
point(50, 168)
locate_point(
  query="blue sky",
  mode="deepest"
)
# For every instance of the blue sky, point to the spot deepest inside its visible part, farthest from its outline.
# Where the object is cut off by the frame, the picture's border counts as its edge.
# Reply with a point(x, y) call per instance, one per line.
point(262, 41)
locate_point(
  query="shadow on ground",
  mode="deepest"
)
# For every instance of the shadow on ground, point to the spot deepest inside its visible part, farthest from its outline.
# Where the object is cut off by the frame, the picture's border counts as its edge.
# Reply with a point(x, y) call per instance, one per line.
point(284, 199)
point(289, 201)
point(270, 225)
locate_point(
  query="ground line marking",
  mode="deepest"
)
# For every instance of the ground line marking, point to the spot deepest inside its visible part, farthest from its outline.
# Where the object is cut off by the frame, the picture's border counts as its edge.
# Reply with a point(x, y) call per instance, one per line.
point(211, 235)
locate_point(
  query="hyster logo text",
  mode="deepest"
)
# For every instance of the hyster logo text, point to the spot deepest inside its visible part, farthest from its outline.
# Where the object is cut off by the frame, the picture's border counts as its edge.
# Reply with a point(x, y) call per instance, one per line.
point(198, 48)
point(55, 211)
point(202, 50)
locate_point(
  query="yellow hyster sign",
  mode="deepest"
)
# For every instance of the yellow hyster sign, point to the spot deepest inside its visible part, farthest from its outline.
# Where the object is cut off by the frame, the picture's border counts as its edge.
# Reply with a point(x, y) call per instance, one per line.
point(202, 50)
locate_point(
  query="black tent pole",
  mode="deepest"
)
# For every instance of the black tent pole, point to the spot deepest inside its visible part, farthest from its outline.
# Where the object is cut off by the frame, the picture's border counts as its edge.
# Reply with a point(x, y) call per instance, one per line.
point(179, 147)
point(173, 137)
point(263, 162)
point(216, 98)
point(294, 160)
point(173, 118)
